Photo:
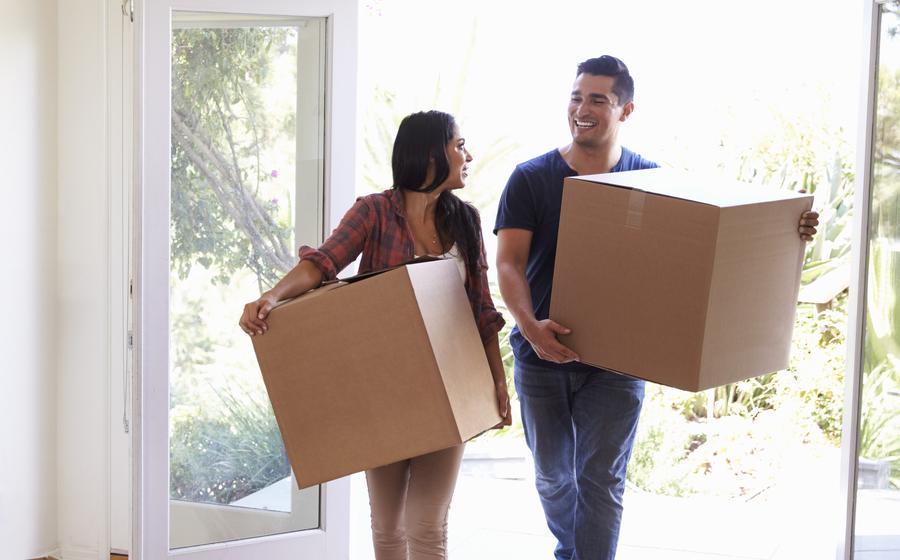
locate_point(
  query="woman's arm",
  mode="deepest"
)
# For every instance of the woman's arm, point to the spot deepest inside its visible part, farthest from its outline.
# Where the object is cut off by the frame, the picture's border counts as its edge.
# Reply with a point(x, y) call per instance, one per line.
point(492, 351)
point(343, 245)
point(302, 278)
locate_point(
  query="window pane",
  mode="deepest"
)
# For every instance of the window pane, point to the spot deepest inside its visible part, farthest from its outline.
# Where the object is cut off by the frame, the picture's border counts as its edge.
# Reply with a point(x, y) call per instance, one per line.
point(877, 531)
point(237, 83)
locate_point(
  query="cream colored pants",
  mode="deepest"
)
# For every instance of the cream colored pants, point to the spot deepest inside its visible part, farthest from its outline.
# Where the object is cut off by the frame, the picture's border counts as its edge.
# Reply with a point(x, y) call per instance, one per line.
point(410, 501)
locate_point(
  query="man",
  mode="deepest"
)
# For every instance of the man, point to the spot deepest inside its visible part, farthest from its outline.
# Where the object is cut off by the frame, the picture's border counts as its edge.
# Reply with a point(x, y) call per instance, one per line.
point(580, 421)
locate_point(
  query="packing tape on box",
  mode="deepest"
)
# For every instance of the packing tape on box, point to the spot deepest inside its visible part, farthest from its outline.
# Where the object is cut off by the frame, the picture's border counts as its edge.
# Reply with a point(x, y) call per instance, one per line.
point(635, 211)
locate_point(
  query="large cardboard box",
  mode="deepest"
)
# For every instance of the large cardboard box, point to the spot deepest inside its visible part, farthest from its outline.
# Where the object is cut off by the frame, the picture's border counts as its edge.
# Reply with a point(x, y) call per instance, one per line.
point(685, 280)
point(373, 371)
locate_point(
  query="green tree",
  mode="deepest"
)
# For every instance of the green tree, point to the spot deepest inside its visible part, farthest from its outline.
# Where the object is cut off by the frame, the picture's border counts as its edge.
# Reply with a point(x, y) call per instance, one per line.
point(226, 130)
point(219, 131)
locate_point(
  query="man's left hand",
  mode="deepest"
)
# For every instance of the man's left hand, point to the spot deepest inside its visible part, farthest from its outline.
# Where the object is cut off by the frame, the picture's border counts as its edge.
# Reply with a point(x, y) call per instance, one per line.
point(808, 222)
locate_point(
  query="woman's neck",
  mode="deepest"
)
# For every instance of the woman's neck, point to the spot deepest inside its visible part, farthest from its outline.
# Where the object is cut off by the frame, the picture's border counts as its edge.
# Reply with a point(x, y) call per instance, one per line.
point(420, 207)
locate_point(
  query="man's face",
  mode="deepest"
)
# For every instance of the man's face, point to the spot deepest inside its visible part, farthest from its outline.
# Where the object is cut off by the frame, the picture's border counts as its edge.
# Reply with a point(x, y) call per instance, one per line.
point(594, 111)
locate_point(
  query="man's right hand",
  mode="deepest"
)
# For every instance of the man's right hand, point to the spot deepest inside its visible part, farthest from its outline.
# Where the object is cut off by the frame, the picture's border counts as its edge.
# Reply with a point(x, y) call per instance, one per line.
point(542, 337)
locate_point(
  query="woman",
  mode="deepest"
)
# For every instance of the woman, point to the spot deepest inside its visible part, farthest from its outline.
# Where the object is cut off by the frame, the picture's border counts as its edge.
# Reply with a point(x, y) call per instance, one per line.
point(419, 216)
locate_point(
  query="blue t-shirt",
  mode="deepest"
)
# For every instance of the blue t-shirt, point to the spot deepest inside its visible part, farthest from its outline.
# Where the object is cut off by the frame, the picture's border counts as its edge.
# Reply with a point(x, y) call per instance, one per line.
point(532, 200)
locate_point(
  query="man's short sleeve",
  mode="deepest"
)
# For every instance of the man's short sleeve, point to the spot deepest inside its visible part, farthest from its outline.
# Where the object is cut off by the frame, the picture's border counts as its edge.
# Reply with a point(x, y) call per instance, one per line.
point(517, 208)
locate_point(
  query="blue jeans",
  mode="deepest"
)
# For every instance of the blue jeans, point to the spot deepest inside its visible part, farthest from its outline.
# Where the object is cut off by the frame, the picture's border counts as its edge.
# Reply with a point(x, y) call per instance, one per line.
point(580, 428)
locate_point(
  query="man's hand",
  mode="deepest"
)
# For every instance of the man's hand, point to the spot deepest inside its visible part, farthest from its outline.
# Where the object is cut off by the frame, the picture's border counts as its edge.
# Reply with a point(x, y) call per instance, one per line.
point(542, 337)
point(513, 247)
point(808, 222)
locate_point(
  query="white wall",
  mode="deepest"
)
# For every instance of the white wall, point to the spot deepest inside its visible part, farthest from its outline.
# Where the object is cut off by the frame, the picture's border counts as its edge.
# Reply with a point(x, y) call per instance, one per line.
point(83, 324)
point(27, 378)
point(28, 496)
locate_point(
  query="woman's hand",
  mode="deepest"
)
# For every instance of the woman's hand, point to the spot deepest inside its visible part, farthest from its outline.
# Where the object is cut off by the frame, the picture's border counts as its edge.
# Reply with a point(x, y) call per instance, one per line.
point(498, 373)
point(253, 320)
point(302, 278)
point(503, 402)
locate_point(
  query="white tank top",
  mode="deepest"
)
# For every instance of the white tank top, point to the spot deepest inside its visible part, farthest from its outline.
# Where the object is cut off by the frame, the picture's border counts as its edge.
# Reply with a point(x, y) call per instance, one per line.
point(455, 254)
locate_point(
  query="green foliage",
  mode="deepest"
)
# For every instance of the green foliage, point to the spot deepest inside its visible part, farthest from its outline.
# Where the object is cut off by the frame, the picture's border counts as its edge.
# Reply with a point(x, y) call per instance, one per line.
point(882, 342)
point(891, 16)
point(664, 443)
point(879, 432)
point(220, 131)
point(887, 134)
point(223, 451)
point(233, 121)
point(879, 436)
point(193, 349)
point(813, 385)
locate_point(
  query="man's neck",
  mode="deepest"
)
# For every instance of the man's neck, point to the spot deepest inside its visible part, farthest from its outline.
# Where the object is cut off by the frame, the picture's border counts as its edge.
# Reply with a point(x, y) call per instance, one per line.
point(588, 161)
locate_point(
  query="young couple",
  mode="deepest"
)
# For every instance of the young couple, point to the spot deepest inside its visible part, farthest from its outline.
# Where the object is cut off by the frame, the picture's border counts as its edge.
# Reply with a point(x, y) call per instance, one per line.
point(562, 401)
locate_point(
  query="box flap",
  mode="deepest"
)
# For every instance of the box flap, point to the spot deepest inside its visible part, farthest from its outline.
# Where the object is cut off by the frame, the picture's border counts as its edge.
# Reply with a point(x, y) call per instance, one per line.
point(461, 360)
point(338, 282)
point(364, 275)
point(706, 188)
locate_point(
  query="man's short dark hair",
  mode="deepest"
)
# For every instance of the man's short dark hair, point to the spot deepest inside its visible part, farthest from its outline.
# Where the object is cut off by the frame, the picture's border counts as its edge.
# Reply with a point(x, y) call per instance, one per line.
point(623, 84)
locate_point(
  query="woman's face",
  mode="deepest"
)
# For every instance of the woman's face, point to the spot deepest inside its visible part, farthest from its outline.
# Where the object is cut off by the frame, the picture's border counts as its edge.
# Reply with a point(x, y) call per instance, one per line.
point(458, 157)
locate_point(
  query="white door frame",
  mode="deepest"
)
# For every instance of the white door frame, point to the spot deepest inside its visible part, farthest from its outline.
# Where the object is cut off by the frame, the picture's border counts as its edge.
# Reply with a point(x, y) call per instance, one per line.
point(120, 47)
point(150, 445)
point(862, 206)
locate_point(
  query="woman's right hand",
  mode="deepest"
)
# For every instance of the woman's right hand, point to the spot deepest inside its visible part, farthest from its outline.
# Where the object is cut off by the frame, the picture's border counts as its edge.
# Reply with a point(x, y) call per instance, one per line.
point(253, 320)
point(503, 403)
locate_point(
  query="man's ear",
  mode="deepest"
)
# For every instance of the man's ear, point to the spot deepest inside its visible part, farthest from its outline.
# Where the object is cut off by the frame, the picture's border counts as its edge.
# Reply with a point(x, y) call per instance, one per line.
point(626, 111)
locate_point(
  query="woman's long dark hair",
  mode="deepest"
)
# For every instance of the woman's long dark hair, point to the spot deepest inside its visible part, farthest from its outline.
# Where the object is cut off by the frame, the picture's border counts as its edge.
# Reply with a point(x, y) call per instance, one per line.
point(422, 138)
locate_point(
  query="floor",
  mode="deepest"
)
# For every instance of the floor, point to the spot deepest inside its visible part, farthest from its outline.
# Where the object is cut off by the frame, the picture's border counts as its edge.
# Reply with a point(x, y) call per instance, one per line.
point(496, 514)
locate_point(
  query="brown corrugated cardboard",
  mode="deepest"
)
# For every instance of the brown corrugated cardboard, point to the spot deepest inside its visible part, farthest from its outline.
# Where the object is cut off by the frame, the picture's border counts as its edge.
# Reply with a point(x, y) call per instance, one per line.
point(369, 372)
point(685, 280)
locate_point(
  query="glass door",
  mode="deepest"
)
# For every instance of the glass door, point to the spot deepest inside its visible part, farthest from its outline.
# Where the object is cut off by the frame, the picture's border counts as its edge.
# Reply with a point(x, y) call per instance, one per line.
point(234, 177)
point(234, 211)
point(872, 426)
point(877, 518)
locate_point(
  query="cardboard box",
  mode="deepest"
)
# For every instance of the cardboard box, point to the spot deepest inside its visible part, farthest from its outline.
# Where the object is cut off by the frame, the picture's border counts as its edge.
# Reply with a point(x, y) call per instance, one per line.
point(680, 279)
point(369, 372)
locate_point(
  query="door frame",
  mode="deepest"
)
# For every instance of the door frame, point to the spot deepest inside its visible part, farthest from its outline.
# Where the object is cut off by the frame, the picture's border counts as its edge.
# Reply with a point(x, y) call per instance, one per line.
point(119, 86)
point(150, 476)
point(862, 206)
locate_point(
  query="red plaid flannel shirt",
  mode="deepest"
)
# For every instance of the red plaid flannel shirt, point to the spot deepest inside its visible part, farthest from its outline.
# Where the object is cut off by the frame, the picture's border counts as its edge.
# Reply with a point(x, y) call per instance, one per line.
point(376, 227)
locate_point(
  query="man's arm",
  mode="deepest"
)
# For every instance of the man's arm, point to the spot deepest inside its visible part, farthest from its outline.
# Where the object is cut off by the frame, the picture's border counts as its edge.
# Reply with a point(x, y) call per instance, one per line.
point(513, 246)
